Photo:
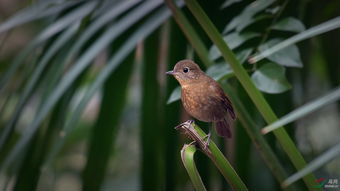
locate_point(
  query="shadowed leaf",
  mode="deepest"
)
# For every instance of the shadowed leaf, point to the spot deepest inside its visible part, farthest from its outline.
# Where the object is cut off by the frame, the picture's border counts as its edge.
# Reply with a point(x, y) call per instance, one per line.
point(270, 78)
point(289, 24)
point(218, 71)
point(227, 3)
point(234, 40)
point(175, 95)
point(289, 56)
point(316, 30)
point(247, 15)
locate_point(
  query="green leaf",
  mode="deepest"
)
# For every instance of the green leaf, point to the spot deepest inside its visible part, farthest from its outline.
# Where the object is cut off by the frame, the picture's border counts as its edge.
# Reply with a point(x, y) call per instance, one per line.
point(289, 24)
point(227, 3)
point(252, 21)
point(37, 11)
point(247, 15)
point(187, 155)
point(219, 71)
point(270, 78)
point(216, 156)
point(316, 30)
point(289, 56)
point(243, 55)
point(310, 107)
point(234, 40)
point(175, 95)
point(322, 160)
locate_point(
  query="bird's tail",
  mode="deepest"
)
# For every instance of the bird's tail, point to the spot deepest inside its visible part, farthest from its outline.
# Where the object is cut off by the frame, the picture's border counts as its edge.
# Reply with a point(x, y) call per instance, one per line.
point(223, 127)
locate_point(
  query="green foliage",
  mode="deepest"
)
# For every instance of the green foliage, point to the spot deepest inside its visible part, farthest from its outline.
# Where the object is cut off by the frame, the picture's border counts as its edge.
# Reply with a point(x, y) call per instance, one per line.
point(83, 92)
point(258, 99)
point(270, 78)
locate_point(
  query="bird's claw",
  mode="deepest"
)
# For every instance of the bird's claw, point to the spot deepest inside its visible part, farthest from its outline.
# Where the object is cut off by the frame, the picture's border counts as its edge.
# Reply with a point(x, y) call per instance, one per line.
point(187, 123)
point(188, 129)
point(207, 142)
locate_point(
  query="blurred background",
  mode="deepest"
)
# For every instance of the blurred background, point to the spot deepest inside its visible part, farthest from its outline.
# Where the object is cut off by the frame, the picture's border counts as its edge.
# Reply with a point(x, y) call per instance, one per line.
point(85, 103)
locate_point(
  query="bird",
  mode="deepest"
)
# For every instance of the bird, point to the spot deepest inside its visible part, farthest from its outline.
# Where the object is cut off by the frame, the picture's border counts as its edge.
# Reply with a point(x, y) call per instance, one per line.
point(203, 98)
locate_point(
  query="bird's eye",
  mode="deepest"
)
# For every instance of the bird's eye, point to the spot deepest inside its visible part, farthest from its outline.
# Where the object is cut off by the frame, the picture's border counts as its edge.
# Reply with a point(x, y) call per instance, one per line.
point(186, 69)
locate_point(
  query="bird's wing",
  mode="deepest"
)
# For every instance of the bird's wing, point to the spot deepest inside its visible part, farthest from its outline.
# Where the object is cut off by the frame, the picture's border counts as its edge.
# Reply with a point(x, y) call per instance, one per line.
point(222, 97)
point(228, 105)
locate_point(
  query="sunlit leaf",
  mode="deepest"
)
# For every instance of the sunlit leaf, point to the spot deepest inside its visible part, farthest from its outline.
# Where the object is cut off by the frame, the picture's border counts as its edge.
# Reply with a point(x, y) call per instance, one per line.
point(270, 78)
point(289, 24)
point(289, 56)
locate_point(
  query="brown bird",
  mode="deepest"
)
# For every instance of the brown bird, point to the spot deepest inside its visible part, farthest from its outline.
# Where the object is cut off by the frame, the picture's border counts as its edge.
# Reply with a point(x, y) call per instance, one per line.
point(203, 98)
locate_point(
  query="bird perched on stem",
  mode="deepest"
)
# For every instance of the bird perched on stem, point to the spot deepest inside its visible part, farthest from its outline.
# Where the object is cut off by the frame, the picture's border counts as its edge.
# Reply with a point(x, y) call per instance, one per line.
point(203, 98)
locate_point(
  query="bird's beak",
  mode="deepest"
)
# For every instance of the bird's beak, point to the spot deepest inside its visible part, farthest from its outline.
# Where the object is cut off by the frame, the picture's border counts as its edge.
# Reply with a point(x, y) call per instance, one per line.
point(170, 72)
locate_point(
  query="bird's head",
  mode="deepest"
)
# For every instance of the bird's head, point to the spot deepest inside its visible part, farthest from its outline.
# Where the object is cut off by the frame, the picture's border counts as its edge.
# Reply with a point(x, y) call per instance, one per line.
point(186, 72)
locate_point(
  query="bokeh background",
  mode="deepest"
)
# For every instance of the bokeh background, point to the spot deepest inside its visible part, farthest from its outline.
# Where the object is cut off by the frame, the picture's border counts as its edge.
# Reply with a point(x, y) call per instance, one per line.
point(85, 103)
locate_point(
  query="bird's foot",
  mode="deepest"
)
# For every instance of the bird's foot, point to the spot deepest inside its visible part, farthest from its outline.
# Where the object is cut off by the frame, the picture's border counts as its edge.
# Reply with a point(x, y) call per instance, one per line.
point(187, 124)
point(187, 129)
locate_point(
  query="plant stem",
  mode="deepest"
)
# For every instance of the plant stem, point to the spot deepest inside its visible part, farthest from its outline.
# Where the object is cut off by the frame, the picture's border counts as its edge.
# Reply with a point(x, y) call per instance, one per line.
point(190, 33)
point(187, 154)
point(197, 135)
point(257, 138)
